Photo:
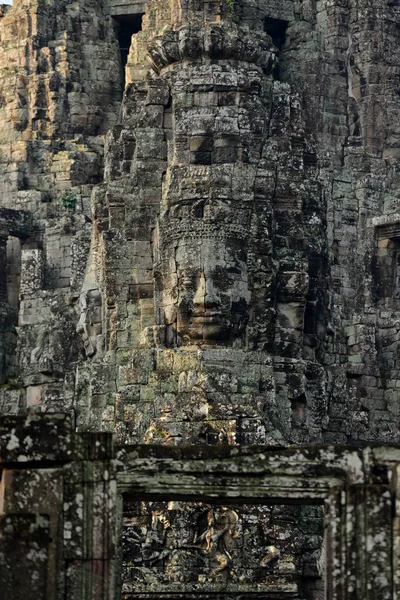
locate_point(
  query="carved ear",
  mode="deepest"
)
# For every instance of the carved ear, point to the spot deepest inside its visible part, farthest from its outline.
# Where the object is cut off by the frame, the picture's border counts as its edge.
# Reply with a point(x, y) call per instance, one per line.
point(171, 337)
point(239, 317)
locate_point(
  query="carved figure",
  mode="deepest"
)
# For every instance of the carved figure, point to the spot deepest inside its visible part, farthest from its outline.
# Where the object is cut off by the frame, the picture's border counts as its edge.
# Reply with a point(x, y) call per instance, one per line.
point(90, 321)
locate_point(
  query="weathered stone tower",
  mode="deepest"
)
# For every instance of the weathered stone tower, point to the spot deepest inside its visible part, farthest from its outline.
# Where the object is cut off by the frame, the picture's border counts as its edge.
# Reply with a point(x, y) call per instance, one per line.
point(199, 245)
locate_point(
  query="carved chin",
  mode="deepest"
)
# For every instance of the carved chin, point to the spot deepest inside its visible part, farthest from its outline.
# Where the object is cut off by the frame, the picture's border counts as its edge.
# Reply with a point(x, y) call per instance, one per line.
point(212, 332)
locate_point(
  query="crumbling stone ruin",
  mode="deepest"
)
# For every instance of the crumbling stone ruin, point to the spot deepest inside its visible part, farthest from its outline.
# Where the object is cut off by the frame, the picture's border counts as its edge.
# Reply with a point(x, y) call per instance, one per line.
point(199, 285)
point(60, 489)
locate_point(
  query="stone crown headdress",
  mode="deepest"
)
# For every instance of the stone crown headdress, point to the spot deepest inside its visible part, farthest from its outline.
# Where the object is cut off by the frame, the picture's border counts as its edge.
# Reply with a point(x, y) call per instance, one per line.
point(202, 229)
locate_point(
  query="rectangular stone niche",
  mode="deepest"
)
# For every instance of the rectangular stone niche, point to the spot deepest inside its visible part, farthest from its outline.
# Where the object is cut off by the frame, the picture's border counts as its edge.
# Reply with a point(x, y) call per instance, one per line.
point(276, 28)
point(387, 264)
point(357, 488)
point(128, 25)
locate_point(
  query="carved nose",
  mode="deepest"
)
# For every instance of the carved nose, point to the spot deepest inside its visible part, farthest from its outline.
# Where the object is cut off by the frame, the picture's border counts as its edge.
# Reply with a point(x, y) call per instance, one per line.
point(211, 297)
point(198, 299)
point(206, 295)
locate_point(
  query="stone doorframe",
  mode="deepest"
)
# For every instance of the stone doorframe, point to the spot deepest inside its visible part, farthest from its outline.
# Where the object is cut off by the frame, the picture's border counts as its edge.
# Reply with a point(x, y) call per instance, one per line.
point(359, 488)
point(18, 224)
point(58, 494)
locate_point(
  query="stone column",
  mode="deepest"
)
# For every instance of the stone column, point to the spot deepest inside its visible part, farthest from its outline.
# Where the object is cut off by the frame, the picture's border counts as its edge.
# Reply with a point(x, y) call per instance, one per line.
point(3, 307)
point(32, 267)
point(57, 511)
point(359, 526)
point(24, 542)
point(3, 268)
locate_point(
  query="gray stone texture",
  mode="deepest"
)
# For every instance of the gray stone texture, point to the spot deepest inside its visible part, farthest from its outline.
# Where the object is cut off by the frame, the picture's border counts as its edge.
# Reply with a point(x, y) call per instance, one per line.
point(201, 247)
point(60, 514)
point(57, 511)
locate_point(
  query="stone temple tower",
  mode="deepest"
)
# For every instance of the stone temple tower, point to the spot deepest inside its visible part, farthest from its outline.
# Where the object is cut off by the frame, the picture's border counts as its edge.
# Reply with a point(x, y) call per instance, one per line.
point(199, 268)
point(199, 246)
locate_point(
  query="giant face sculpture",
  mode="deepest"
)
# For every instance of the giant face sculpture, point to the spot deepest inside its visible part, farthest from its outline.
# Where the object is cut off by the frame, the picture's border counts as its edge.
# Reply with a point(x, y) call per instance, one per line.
point(204, 285)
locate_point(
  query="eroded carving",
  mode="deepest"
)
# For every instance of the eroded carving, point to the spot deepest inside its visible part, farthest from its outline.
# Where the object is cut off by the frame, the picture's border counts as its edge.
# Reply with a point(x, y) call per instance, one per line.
point(202, 275)
point(217, 41)
point(90, 324)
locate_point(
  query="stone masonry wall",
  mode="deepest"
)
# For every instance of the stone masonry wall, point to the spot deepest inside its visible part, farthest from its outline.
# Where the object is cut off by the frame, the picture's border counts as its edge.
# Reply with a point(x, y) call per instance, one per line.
point(337, 201)
point(199, 256)
point(60, 89)
point(212, 258)
point(350, 50)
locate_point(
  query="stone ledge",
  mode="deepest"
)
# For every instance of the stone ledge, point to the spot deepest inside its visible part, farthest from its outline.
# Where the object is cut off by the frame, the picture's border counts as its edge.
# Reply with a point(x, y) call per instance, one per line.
point(17, 223)
point(125, 8)
point(48, 439)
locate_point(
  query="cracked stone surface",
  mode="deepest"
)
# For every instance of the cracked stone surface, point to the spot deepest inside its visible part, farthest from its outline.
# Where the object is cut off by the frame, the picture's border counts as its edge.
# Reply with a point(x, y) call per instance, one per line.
point(201, 246)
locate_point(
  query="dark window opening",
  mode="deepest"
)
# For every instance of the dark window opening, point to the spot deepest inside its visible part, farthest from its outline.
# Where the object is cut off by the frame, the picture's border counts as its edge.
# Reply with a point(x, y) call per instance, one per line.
point(3, 270)
point(128, 25)
point(13, 250)
point(276, 28)
point(10, 270)
point(386, 265)
point(10, 276)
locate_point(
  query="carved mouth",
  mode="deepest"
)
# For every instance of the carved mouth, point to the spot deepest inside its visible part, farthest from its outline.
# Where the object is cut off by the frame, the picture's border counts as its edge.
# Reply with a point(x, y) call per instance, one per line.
point(205, 318)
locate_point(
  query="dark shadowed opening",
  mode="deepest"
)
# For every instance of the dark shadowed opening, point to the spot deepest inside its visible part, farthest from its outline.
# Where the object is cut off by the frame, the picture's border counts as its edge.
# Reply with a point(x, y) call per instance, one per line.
point(128, 25)
point(386, 265)
point(276, 28)
point(13, 270)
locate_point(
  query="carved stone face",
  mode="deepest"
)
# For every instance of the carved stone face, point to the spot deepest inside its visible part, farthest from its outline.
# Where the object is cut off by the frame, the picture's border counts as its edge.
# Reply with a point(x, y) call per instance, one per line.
point(205, 294)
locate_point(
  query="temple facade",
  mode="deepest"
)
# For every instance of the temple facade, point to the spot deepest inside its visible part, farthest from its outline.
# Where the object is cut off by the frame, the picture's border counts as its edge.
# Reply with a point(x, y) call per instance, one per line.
point(199, 247)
